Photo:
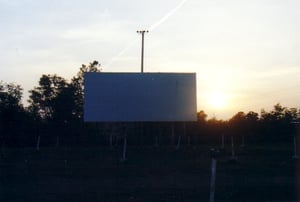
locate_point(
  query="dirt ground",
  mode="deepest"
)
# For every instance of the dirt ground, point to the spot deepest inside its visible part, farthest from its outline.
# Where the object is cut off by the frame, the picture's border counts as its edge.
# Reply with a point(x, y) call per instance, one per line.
point(260, 173)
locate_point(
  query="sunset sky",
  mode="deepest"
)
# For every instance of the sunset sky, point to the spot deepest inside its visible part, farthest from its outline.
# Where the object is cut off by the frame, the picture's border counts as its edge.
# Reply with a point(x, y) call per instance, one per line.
point(246, 53)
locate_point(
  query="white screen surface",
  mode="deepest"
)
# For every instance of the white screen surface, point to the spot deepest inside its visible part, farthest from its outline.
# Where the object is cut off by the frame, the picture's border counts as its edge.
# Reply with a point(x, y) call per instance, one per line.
point(134, 97)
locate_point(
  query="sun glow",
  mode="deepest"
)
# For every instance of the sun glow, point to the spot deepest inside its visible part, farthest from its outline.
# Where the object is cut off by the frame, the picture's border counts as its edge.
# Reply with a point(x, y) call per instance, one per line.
point(217, 100)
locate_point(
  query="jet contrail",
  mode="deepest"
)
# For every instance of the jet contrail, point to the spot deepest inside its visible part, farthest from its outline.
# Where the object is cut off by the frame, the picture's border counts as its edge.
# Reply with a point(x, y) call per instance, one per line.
point(151, 28)
point(121, 53)
point(167, 15)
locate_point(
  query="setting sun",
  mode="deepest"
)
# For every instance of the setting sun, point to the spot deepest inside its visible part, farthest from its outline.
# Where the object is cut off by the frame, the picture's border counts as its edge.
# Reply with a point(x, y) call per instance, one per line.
point(217, 100)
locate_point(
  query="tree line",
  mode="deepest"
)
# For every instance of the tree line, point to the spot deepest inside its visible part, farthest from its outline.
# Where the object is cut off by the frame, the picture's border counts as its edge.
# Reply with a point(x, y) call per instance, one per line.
point(55, 115)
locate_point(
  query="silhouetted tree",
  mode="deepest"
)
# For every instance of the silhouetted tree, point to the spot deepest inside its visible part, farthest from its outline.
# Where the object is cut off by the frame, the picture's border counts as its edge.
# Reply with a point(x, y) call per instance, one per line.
point(277, 124)
point(251, 124)
point(198, 129)
point(215, 128)
point(201, 116)
point(11, 112)
point(58, 104)
point(77, 84)
point(56, 107)
point(45, 98)
point(237, 123)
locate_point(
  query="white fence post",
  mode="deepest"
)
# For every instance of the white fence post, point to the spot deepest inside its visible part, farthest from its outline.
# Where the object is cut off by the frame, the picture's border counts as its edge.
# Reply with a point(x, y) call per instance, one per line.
point(213, 180)
point(125, 144)
point(38, 143)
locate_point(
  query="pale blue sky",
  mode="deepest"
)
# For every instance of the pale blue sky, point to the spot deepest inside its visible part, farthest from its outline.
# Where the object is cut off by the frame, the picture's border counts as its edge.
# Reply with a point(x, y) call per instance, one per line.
point(247, 51)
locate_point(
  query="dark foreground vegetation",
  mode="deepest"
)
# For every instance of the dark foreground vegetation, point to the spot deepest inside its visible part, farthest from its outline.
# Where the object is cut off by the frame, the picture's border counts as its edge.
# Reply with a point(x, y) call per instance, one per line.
point(47, 152)
point(260, 173)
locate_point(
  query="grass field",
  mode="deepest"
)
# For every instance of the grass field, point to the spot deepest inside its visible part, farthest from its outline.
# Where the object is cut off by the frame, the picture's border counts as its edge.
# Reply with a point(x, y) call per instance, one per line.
point(261, 173)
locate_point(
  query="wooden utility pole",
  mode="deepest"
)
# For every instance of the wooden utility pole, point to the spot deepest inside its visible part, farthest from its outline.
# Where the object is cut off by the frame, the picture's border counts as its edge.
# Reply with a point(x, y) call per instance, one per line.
point(142, 55)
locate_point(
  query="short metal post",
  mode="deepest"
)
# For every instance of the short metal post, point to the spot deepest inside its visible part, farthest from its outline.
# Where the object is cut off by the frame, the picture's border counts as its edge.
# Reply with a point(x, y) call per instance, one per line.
point(125, 145)
point(38, 143)
point(295, 148)
point(223, 141)
point(213, 175)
